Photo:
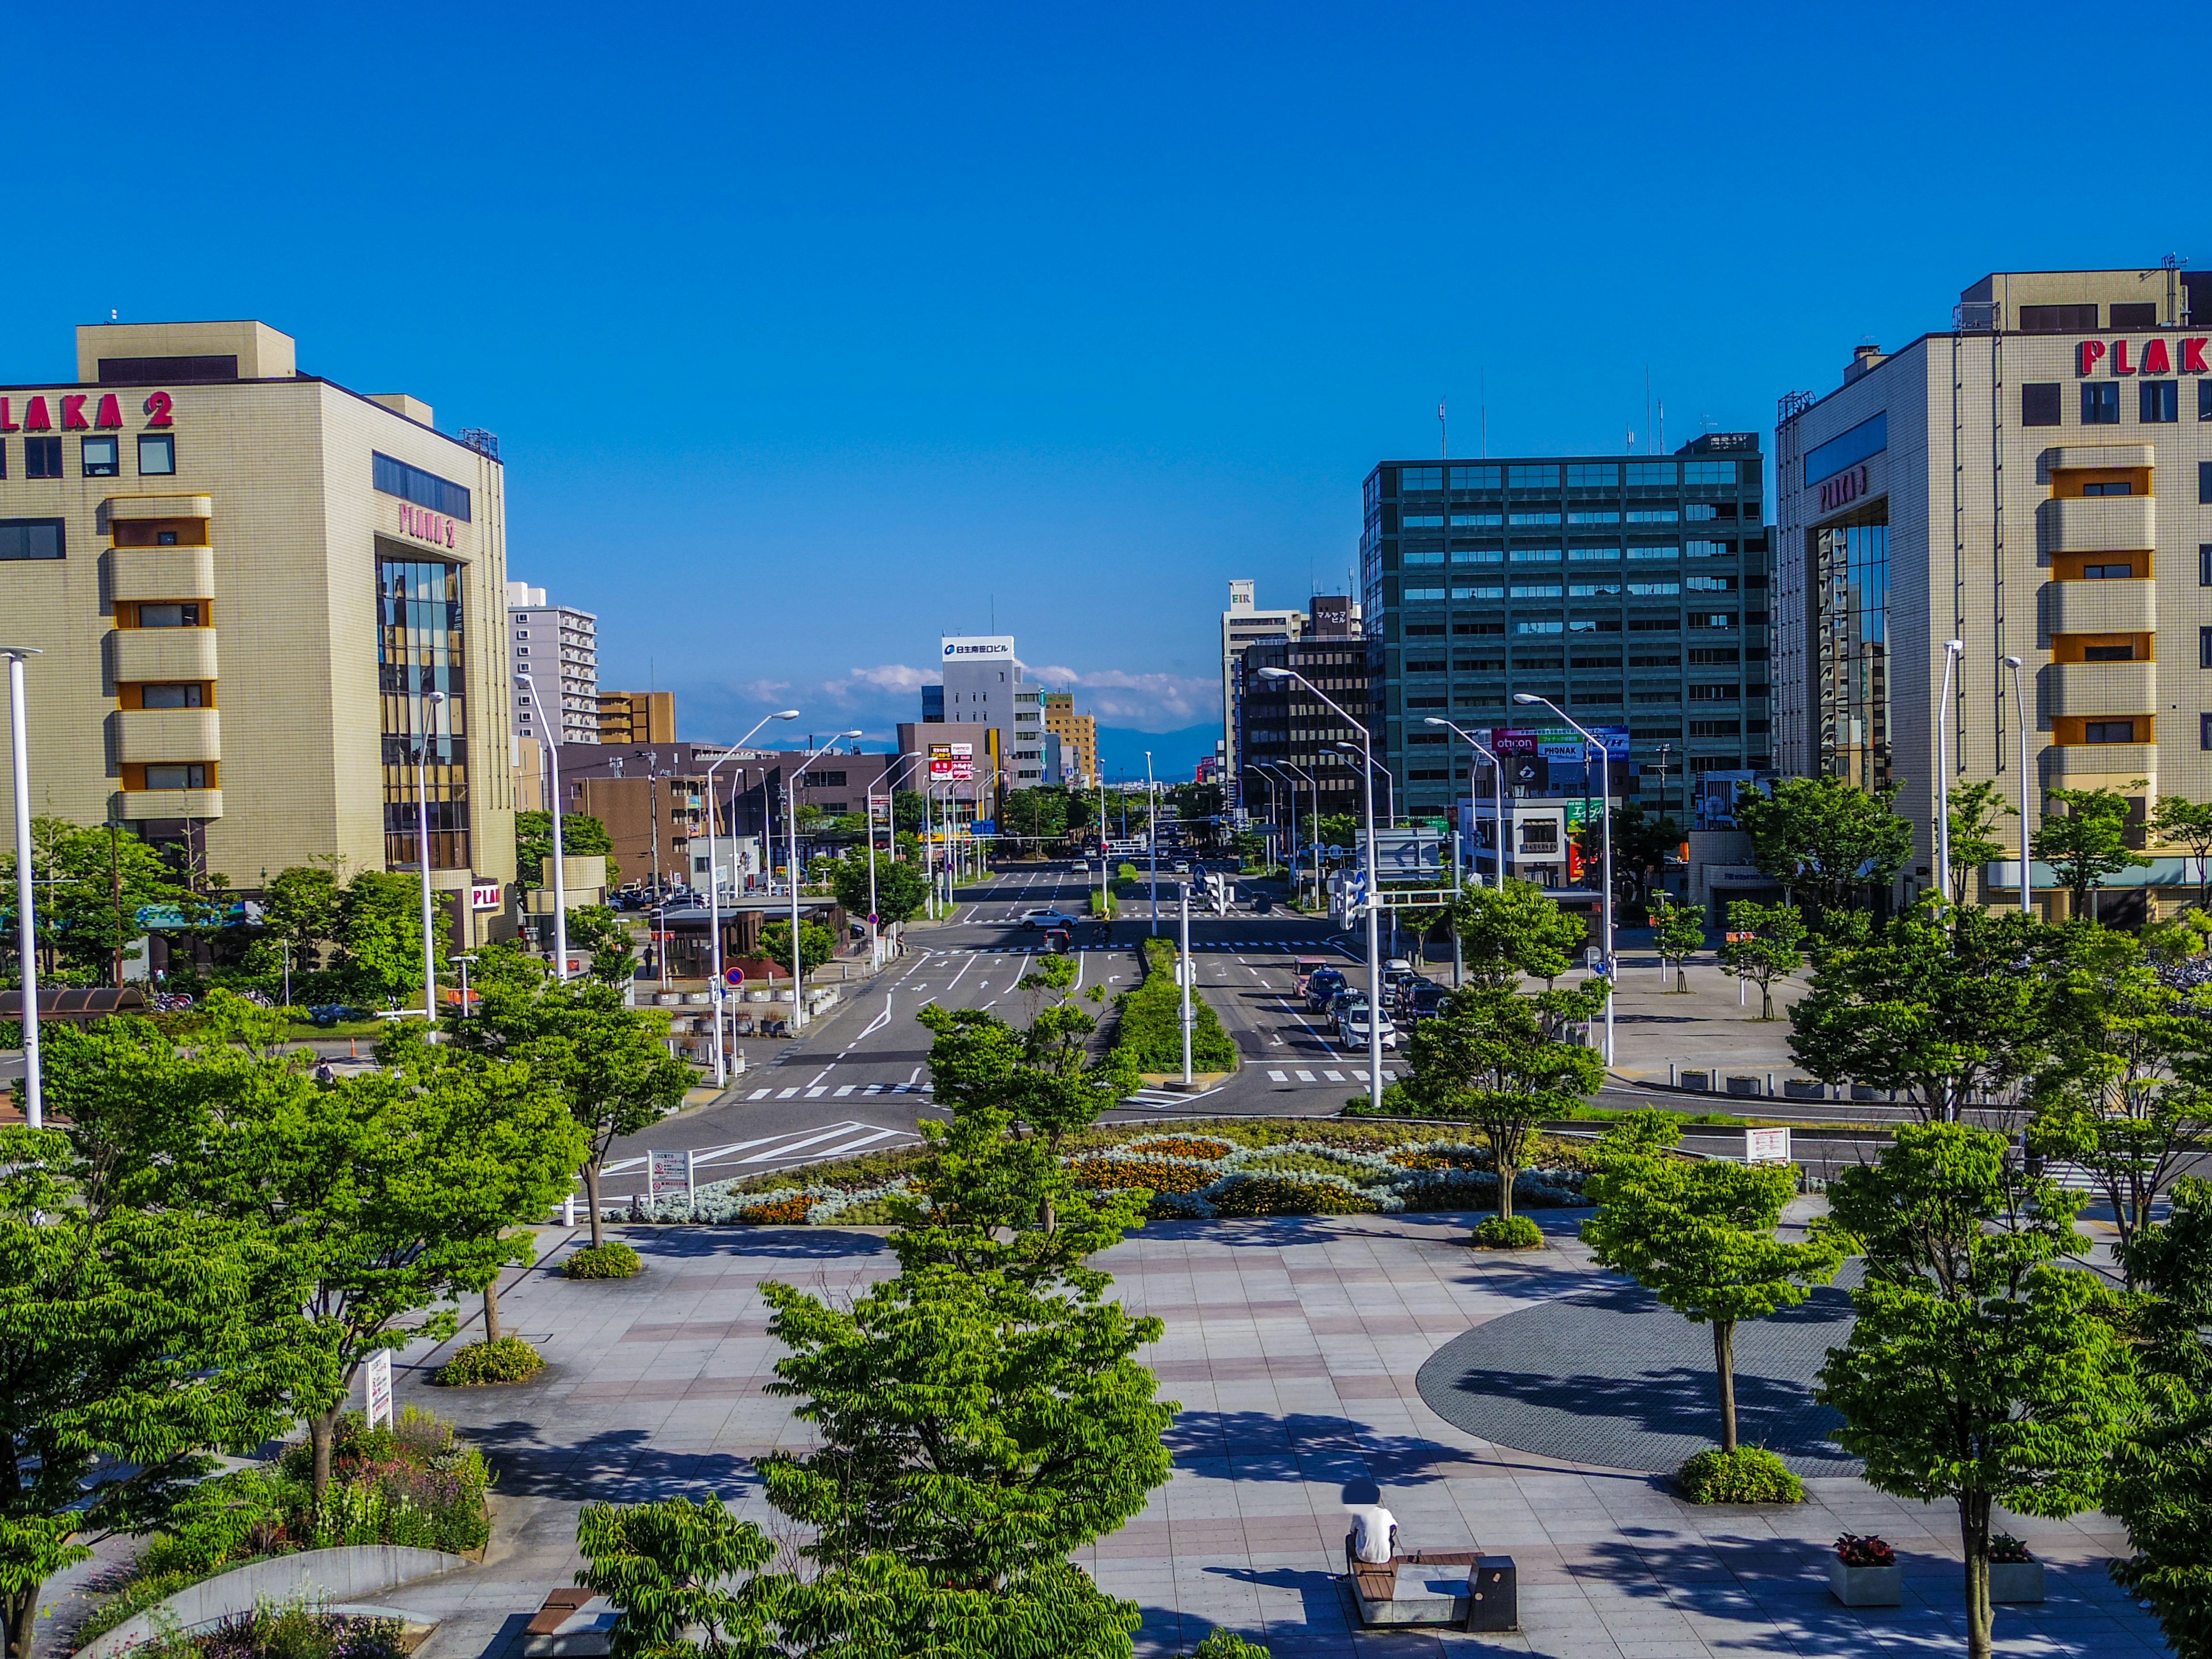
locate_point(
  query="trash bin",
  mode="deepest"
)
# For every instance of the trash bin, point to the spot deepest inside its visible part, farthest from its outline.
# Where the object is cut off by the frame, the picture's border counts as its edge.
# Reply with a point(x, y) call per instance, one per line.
point(1493, 1595)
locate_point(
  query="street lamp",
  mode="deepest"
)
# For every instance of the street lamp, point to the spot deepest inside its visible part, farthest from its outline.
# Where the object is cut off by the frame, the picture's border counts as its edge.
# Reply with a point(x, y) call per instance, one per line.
point(1152, 841)
point(1374, 888)
point(867, 803)
point(560, 847)
point(1314, 841)
point(1951, 650)
point(19, 733)
point(714, 884)
point(1605, 818)
point(2019, 712)
point(1497, 779)
point(790, 830)
point(434, 701)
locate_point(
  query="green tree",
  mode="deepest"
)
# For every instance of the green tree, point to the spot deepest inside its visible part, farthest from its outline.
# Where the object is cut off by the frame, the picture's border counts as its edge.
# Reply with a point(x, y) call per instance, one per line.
point(582, 835)
point(1701, 1238)
point(132, 1338)
point(302, 905)
point(599, 929)
point(1975, 809)
point(1521, 929)
point(1642, 844)
point(1943, 1007)
point(1038, 814)
point(1498, 1059)
point(901, 890)
point(381, 935)
point(1765, 942)
point(680, 1576)
point(1678, 932)
point(92, 884)
point(1827, 841)
point(816, 944)
point(609, 1064)
point(2085, 839)
point(1979, 1370)
point(2180, 822)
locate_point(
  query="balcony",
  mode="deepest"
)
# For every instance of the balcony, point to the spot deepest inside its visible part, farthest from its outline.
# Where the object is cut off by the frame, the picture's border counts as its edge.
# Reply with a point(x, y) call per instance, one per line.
point(2097, 688)
point(160, 507)
point(168, 734)
point(162, 653)
point(2068, 765)
point(139, 805)
point(159, 573)
point(2125, 605)
point(2097, 524)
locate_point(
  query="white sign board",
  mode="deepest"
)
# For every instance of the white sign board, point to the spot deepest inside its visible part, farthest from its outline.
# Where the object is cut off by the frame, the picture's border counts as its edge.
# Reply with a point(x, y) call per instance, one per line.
point(1766, 1146)
point(486, 895)
point(666, 1173)
point(376, 1379)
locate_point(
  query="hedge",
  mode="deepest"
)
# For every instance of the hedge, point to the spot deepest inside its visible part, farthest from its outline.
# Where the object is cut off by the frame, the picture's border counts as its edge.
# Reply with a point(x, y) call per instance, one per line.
point(1151, 1030)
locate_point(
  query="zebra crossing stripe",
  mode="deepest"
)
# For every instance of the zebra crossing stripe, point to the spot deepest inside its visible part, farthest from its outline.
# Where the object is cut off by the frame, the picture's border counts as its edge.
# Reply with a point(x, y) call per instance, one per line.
point(1338, 1077)
point(844, 1090)
point(786, 1094)
point(1306, 1077)
point(760, 1094)
point(816, 1094)
point(873, 1088)
point(1278, 1077)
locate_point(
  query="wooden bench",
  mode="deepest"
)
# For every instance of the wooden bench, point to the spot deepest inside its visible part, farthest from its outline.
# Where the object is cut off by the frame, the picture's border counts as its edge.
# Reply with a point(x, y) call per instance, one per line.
point(561, 1630)
point(1491, 1601)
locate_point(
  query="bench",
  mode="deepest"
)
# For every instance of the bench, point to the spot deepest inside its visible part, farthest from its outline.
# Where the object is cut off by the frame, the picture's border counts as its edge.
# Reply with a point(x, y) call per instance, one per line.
point(565, 1627)
point(1488, 1599)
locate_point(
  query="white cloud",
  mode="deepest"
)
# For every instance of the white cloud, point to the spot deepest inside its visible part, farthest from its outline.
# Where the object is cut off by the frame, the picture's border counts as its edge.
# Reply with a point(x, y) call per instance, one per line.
point(1120, 698)
point(887, 676)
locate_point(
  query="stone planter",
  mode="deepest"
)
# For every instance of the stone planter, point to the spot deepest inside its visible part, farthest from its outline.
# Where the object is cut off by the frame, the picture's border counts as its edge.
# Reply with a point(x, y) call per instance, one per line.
point(1866, 1587)
point(2015, 1581)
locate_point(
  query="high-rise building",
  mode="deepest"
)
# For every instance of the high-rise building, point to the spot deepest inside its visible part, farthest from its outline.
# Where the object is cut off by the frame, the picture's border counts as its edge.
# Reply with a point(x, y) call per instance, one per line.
point(558, 647)
point(1242, 624)
point(637, 717)
point(1286, 744)
point(984, 686)
point(1631, 590)
point(2034, 482)
point(1078, 736)
point(267, 605)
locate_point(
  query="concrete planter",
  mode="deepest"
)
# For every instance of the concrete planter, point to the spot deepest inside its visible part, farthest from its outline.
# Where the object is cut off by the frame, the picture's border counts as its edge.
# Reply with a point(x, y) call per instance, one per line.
point(2015, 1581)
point(1866, 1587)
point(339, 1578)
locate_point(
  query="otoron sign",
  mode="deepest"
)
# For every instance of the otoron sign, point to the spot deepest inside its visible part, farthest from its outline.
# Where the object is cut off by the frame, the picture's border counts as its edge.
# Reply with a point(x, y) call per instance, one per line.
point(2121, 358)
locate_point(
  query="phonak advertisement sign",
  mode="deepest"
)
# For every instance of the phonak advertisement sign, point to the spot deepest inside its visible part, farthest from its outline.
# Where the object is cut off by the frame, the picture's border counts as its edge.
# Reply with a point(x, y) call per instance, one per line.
point(952, 762)
point(1557, 742)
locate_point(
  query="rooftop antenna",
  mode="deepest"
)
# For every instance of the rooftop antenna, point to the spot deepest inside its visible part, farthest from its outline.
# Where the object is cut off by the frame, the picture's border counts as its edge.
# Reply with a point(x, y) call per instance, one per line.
point(1647, 400)
point(1485, 414)
point(1444, 433)
point(1662, 433)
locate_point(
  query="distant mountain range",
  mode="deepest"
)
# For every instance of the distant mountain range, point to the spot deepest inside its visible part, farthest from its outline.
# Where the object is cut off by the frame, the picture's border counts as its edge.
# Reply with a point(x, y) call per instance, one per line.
point(1176, 755)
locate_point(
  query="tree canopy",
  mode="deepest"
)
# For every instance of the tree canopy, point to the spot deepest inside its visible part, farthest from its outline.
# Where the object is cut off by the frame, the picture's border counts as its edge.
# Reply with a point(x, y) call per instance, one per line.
point(2084, 838)
point(1825, 839)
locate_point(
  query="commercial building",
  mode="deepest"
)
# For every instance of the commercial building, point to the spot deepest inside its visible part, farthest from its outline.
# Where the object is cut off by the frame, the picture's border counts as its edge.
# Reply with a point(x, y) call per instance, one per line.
point(984, 685)
point(266, 605)
point(637, 717)
point(952, 759)
point(2034, 482)
point(1285, 735)
point(1631, 590)
point(1243, 624)
point(558, 647)
point(1078, 740)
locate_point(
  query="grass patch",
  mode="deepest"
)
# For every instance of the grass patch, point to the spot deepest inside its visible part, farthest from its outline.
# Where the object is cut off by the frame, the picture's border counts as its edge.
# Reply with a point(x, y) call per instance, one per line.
point(1149, 1027)
point(1749, 1474)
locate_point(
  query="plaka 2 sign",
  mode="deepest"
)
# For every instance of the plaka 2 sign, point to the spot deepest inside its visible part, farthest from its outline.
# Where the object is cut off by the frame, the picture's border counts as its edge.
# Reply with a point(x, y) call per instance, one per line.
point(433, 527)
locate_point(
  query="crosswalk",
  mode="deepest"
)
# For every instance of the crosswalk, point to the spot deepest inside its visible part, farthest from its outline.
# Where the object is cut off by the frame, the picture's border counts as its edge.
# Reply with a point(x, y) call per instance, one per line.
point(1278, 947)
point(840, 1092)
point(761, 1154)
point(1324, 1074)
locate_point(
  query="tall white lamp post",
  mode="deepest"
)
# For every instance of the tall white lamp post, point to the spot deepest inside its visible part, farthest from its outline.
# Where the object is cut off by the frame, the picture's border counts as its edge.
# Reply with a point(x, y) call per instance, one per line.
point(2020, 713)
point(790, 830)
point(26, 931)
point(433, 701)
point(715, 885)
point(867, 802)
point(560, 847)
point(1943, 806)
point(1605, 818)
point(1497, 780)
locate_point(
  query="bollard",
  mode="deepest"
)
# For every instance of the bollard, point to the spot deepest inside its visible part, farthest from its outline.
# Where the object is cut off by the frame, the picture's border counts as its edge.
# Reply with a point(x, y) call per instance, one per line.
point(568, 1210)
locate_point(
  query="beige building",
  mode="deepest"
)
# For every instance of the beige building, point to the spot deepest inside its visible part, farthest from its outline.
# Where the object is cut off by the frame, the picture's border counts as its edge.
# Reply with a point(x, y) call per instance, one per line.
point(1078, 738)
point(635, 717)
point(2035, 481)
point(1242, 624)
point(246, 584)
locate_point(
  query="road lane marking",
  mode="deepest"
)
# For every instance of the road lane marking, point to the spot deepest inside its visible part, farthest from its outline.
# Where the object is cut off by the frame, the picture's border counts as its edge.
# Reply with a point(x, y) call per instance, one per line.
point(786, 1094)
point(1307, 1077)
point(1278, 1077)
point(823, 1073)
point(760, 1094)
point(834, 1133)
point(845, 1088)
point(816, 1094)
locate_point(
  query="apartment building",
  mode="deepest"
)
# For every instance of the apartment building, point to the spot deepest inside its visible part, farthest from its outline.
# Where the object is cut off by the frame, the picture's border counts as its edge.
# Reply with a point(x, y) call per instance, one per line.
point(556, 648)
point(637, 717)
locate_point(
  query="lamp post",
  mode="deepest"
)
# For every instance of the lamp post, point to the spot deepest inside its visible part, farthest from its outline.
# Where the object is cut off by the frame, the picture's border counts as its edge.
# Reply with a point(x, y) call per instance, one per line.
point(1314, 841)
point(714, 885)
point(26, 933)
point(867, 803)
point(1498, 782)
point(1374, 893)
point(560, 847)
point(2019, 711)
point(1943, 806)
point(1185, 972)
point(791, 830)
point(1153, 842)
point(1605, 819)
point(433, 701)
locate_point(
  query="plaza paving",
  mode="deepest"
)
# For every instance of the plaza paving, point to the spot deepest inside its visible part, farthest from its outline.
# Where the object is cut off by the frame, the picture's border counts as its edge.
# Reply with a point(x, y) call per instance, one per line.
point(1293, 1347)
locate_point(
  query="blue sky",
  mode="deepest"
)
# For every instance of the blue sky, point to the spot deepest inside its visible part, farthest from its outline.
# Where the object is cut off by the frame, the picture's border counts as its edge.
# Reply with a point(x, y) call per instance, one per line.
point(812, 331)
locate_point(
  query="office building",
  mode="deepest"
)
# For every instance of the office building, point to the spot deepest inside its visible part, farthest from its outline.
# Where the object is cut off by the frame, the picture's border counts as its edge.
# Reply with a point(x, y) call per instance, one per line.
point(984, 685)
point(2036, 482)
point(558, 647)
point(1242, 624)
point(631, 717)
point(1078, 739)
point(932, 705)
point(247, 584)
point(1631, 590)
point(1286, 737)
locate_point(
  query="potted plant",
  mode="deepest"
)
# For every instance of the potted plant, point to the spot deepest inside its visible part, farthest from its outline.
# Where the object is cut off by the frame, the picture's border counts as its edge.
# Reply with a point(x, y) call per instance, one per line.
point(1863, 1573)
point(2014, 1574)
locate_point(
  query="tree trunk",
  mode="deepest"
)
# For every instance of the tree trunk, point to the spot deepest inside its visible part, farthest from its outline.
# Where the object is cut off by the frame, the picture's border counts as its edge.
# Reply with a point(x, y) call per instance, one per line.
point(1724, 1368)
point(21, 1609)
point(322, 1431)
point(1974, 1535)
point(591, 1197)
point(1766, 999)
point(1505, 1173)
point(492, 1331)
point(1681, 977)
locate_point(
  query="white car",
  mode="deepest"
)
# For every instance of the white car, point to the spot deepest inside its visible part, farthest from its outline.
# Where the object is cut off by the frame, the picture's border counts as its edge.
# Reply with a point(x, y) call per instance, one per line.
point(1351, 1028)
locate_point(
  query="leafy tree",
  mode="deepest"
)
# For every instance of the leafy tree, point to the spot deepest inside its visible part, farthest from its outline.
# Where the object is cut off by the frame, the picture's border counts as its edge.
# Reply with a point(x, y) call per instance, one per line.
point(1504, 934)
point(92, 882)
point(303, 906)
point(581, 836)
point(2087, 841)
point(1944, 1008)
point(1979, 1370)
point(2178, 939)
point(1975, 809)
point(381, 923)
point(1041, 813)
point(1826, 840)
point(900, 888)
point(609, 1064)
point(907, 810)
point(136, 1340)
point(2180, 822)
point(1498, 1058)
point(599, 929)
point(1328, 830)
point(816, 944)
point(1678, 932)
point(1701, 1237)
point(673, 1568)
point(1642, 844)
point(1765, 942)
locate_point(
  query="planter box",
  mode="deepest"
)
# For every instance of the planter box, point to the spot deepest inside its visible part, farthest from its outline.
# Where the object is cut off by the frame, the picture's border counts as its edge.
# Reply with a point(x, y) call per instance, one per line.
point(1800, 1089)
point(1698, 1082)
point(1744, 1085)
point(1866, 1587)
point(2015, 1581)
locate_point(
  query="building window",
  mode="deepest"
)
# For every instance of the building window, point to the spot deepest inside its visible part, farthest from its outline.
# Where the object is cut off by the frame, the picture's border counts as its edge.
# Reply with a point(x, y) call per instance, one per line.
point(2059, 319)
point(2038, 403)
point(2113, 487)
point(2204, 483)
point(2108, 732)
point(420, 649)
point(176, 777)
point(2204, 731)
point(1475, 477)
point(1588, 476)
point(1540, 837)
point(41, 538)
point(2157, 402)
point(102, 456)
point(2135, 313)
point(169, 615)
point(157, 454)
point(2116, 653)
point(2204, 400)
point(2204, 564)
point(42, 458)
point(1709, 472)
point(189, 696)
point(2204, 647)
point(1420, 477)
point(1533, 477)
point(412, 483)
point(2100, 403)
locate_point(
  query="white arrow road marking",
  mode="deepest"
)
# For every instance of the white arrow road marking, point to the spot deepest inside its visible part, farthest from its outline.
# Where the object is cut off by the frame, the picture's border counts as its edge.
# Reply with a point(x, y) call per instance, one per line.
point(878, 1022)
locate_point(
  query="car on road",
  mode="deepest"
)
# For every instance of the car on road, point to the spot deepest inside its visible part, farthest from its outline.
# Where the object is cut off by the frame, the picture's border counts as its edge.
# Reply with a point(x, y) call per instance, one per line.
point(1047, 919)
point(1306, 967)
point(1352, 1027)
point(1425, 1001)
point(1321, 985)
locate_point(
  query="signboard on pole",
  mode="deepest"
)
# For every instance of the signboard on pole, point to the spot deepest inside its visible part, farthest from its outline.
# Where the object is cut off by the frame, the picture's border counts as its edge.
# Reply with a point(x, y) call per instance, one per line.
point(666, 1174)
point(1557, 742)
point(1766, 1146)
point(376, 1383)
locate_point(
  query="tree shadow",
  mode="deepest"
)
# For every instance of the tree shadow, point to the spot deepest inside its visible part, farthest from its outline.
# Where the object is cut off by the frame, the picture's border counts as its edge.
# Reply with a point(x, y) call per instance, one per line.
point(778, 1243)
point(1309, 1447)
point(619, 1466)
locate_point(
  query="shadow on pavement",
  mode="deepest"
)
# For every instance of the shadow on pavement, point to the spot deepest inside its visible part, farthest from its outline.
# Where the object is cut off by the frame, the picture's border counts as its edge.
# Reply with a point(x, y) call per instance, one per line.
point(1310, 1447)
point(781, 1243)
point(619, 1466)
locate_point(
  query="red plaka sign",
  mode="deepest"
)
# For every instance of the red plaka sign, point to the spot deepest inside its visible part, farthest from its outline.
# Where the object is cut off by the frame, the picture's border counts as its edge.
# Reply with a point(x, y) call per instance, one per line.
point(64, 412)
point(2154, 358)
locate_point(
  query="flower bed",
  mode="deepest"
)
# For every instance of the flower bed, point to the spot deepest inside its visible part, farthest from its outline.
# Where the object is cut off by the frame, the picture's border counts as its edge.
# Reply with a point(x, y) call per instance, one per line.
point(293, 1631)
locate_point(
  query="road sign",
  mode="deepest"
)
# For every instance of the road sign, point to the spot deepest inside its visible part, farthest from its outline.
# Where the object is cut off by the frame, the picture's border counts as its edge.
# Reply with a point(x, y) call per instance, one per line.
point(872, 918)
point(376, 1383)
point(734, 975)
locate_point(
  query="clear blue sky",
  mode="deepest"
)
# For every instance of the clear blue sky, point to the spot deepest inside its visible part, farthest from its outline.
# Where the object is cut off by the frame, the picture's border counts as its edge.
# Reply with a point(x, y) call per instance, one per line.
point(812, 331)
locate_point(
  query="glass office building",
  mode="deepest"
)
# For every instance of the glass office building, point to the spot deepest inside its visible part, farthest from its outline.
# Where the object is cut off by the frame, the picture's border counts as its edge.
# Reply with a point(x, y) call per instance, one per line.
point(1631, 590)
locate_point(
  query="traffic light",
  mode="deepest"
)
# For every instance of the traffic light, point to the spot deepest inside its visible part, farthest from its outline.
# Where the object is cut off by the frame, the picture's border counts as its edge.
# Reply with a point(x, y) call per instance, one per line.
point(1217, 891)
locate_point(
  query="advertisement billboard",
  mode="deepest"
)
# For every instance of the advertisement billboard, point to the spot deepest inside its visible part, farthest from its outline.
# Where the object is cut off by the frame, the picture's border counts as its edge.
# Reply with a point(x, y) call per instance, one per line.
point(952, 762)
point(1557, 743)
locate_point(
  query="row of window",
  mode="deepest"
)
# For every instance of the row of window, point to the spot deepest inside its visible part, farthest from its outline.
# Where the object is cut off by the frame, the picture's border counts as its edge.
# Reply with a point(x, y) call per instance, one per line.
point(98, 457)
point(2157, 402)
point(1580, 475)
point(1415, 557)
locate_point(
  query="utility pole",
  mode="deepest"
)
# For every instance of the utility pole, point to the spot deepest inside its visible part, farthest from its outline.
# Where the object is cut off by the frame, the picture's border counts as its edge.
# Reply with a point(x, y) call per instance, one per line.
point(1189, 972)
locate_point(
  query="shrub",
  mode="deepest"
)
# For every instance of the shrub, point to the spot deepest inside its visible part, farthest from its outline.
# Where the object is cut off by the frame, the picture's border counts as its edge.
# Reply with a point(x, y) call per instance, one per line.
point(510, 1360)
point(1221, 1644)
point(1501, 1232)
point(1749, 1474)
point(613, 1259)
point(777, 1212)
point(1150, 1024)
point(2007, 1550)
point(1853, 1551)
point(296, 1630)
point(1269, 1195)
